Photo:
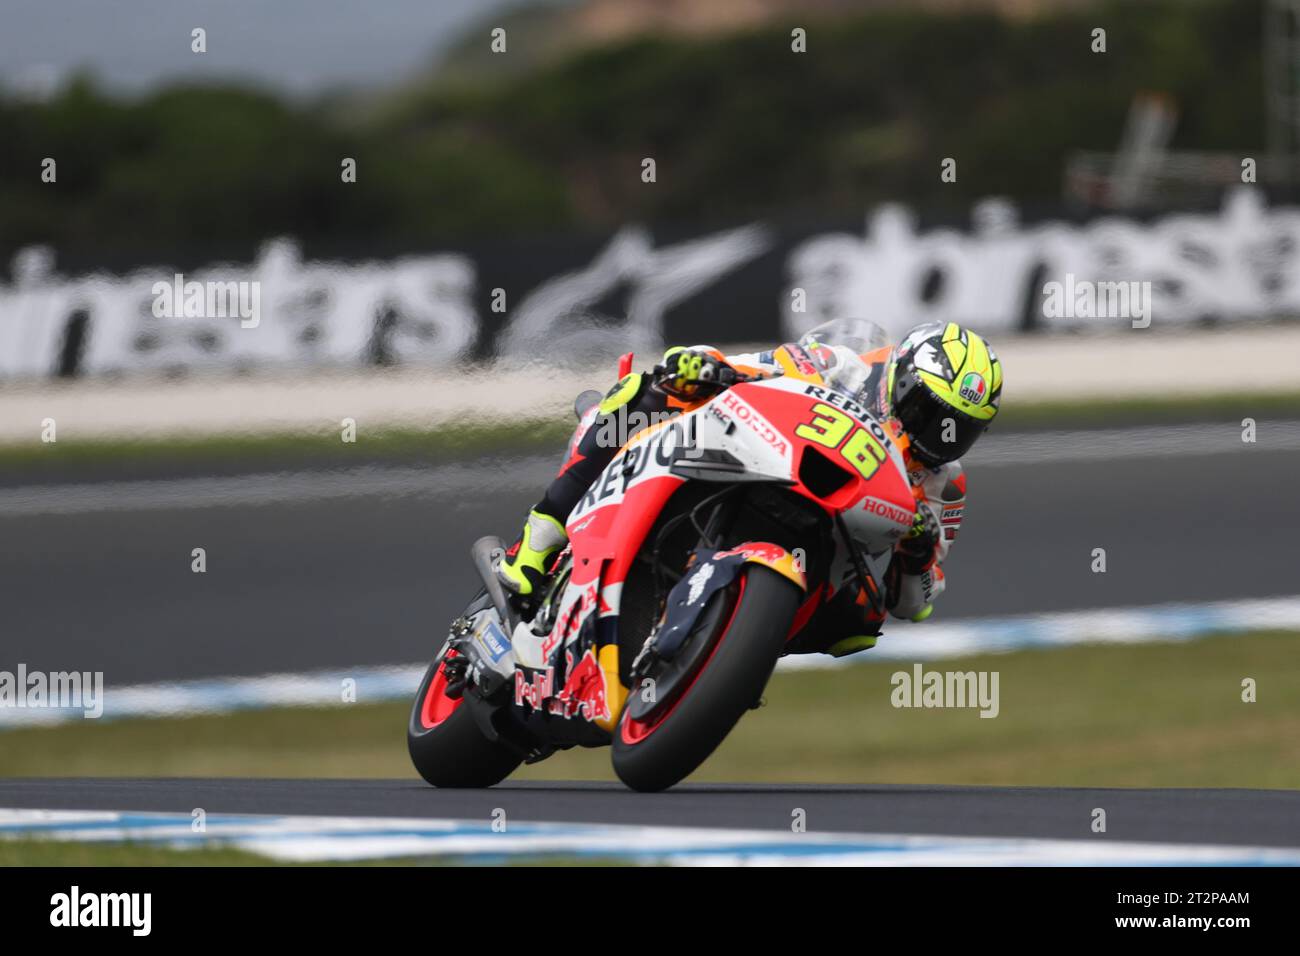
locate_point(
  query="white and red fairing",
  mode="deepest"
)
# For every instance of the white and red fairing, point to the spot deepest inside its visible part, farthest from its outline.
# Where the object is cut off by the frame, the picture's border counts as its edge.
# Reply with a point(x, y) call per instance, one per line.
point(756, 423)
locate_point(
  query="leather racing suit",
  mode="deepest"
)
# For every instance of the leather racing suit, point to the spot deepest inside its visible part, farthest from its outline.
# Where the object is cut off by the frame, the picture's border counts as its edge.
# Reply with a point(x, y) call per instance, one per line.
point(915, 578)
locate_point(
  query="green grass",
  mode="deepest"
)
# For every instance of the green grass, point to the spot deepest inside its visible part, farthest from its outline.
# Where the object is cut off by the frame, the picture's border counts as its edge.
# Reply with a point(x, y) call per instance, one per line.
point(40, 852)
point(465, 440)
point(1166, 715)
point(36, 852)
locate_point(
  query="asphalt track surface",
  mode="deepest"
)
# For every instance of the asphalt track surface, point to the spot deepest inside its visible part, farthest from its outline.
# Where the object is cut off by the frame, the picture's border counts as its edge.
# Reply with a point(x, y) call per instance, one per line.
point(97, 577)
point(309, 572)
point(1226, 817)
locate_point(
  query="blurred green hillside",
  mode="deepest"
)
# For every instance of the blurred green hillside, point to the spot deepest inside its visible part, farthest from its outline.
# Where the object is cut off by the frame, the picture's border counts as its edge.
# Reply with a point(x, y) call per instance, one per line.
point(737, 123)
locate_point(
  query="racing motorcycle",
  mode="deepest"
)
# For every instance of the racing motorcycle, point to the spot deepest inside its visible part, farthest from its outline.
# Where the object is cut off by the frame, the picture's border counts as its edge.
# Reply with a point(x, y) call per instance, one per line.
point(713, 543)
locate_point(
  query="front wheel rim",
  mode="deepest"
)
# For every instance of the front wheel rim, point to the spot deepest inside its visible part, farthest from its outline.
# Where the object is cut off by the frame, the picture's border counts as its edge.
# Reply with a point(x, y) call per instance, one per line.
point(632, 731)
point(437, 706)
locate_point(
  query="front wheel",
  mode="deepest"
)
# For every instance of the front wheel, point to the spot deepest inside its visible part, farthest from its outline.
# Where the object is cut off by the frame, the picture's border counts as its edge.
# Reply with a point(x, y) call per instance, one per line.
point(446, 745)
point(655, 753)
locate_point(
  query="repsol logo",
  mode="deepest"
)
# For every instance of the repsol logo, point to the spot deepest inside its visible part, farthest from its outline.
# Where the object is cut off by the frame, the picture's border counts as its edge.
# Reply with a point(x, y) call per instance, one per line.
point(837, 398)
point(868, 421)
point(675, 440)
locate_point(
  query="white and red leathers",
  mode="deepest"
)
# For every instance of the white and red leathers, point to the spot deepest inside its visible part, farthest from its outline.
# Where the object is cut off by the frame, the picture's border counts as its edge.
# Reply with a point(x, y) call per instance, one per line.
point(917, 582)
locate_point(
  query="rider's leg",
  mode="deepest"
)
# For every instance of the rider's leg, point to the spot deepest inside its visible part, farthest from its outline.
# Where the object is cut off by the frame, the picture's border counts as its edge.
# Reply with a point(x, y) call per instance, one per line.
point(844, 625)
point(525, 563)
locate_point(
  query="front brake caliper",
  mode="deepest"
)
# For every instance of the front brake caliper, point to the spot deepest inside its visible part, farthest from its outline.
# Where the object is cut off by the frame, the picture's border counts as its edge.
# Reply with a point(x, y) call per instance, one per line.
point(456, 666)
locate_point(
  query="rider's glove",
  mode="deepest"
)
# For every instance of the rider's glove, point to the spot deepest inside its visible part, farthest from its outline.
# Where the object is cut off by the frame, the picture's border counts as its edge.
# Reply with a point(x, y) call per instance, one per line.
point(917, 549)
point(687, 373)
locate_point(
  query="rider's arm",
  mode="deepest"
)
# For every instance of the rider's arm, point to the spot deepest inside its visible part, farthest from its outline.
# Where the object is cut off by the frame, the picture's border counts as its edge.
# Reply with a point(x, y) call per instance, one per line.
point(756, 364)
point(691, 373)
point(917, 577)
point(945, 493)
point(751, 364)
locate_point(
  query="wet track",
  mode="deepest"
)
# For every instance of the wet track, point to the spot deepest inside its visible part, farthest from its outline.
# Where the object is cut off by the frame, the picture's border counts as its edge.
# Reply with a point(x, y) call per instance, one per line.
point(1236, 817)
point(364, 566)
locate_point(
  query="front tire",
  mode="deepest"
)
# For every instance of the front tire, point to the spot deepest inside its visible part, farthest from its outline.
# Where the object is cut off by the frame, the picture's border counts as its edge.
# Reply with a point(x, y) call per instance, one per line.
point(446, 745)
point(667, 747)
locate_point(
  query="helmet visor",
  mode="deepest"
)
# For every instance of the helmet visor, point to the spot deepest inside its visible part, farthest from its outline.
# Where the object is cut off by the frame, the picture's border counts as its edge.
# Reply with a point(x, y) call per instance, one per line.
point(938, 432)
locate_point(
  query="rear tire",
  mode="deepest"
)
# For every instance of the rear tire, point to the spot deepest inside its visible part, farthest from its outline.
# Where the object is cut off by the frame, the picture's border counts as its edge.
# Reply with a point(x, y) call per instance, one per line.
point(446, 745)
point(672, 743)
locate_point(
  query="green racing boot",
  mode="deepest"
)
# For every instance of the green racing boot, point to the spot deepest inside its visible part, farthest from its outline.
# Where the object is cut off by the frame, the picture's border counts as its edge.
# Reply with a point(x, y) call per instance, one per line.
point(523, 567)
point(851, 645)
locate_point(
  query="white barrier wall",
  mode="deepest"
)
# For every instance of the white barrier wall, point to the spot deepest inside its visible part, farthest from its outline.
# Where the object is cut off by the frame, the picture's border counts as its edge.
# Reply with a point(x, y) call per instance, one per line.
point(1071, 369)
point(310, 314)
point(1241, 262)
point(1238, 263)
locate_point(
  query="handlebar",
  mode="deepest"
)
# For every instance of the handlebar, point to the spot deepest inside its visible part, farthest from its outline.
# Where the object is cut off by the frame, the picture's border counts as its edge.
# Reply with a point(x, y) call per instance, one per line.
point(723, 377)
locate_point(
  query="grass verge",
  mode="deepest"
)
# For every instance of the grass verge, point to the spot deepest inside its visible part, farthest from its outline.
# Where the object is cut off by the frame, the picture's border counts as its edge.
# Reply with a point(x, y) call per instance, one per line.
point(1149, 715)
point(467, 440)
point(39, 852)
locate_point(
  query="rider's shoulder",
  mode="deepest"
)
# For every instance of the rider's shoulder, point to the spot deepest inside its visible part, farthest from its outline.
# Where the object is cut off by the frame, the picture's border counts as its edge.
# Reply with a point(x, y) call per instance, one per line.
point(938, 477)
point(950, 481)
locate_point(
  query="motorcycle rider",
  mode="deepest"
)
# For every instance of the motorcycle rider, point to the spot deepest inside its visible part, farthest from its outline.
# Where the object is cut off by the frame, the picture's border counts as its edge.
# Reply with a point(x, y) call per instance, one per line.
point(937, 391)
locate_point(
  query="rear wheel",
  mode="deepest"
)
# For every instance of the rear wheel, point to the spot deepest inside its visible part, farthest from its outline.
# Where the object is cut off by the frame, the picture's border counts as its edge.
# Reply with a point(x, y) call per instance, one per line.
point(672, 741)
point(446, 745)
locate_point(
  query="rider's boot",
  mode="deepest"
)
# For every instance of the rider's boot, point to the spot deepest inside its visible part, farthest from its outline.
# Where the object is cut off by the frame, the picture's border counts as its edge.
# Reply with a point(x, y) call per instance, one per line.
point(524, 566)
point(851, 645)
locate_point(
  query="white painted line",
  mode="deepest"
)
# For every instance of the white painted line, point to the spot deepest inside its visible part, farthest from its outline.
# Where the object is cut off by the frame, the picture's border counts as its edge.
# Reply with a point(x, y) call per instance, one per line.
point(500, 476)
point(937, 640)
point(224, 695)
point(486, 476)
point(931, 640)
point(306, 839)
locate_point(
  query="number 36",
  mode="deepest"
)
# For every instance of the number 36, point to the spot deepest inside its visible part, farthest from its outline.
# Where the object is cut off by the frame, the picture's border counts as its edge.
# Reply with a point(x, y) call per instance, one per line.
point(830, 428)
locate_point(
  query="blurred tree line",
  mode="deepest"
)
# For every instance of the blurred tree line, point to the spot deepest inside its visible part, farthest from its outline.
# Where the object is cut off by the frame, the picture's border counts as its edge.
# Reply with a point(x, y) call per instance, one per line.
point(738, 125)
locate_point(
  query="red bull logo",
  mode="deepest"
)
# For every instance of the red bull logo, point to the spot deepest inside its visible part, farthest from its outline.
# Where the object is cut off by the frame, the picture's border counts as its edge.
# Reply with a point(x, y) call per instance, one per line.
point(584, 692)
point(763, 552)
point(533, 692)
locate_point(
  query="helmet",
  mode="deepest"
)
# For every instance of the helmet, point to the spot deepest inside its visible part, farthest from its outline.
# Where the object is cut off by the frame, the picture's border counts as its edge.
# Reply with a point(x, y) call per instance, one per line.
point(943, 386)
